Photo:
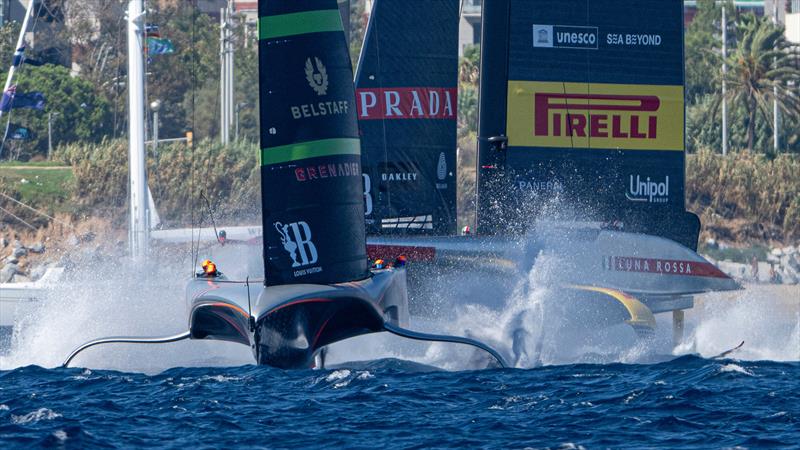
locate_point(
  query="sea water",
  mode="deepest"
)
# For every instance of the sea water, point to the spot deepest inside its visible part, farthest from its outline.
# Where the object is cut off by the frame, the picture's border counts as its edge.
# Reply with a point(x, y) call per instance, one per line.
point(571, 387)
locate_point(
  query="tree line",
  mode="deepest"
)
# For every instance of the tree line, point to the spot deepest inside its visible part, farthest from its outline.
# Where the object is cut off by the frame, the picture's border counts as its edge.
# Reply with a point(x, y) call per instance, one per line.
point(88, 101)
point(760, 64)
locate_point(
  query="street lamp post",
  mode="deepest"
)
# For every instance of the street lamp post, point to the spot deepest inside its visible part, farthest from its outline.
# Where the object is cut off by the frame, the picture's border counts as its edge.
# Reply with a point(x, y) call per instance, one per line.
point(50, 133)
point(775, 113)
point(155, 106)
point(724, 82)
point(239, 107)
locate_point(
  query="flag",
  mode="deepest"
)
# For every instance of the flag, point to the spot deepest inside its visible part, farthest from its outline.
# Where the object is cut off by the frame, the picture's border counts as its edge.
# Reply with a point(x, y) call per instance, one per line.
point(34, 62)
point(159, 46)
point(8, 96)
point(13, 99)
point(18, 133)
point(151, 30)
point(18, 57)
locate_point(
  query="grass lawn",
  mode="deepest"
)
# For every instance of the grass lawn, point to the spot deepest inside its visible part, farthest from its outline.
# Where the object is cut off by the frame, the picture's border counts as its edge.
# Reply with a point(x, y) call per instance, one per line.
point(43, 185)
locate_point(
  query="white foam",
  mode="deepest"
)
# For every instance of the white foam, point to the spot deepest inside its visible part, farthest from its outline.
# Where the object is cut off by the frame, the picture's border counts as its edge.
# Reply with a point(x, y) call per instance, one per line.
point(541, 323)
point(35, 416)
point(736, 368)
point(110, 299)
point(766, 318)
point(61, 436)
point(337, 375)
point(219, 378)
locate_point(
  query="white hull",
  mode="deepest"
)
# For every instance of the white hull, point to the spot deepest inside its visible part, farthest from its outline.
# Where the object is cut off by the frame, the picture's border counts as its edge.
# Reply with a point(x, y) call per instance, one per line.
point(18, 299)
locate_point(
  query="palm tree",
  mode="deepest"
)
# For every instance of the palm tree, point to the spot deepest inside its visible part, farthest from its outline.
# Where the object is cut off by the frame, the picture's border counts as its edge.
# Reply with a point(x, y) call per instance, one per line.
point(762, 61)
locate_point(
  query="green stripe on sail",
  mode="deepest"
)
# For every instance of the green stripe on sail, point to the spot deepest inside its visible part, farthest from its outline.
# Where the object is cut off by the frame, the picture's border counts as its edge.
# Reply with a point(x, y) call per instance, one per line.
point(270, 27)
point(310, 149)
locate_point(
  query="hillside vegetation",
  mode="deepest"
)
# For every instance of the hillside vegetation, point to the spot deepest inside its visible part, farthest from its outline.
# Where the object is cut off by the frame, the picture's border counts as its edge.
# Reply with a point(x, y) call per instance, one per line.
point(745, 196)
point(741, 197)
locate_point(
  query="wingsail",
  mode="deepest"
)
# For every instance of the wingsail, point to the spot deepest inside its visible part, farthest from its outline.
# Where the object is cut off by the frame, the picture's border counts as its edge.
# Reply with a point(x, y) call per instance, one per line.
point(344, 11)
point(406, 94)
point(582, 105)
point(313, 216)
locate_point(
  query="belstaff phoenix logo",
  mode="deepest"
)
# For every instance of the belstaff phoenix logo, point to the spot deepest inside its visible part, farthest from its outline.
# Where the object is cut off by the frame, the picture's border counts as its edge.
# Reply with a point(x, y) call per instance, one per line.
point(296, 240)
point(317, 79)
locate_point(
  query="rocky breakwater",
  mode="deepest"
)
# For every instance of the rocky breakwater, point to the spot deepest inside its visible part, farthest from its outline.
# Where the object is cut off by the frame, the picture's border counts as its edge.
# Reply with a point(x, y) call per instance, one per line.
point(21, 263)
point(777, 265)
point(785, 264)
point(28, 259)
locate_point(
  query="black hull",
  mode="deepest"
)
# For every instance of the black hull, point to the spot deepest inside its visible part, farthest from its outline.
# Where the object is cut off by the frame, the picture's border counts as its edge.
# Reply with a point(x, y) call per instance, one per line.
point(286, 326)
point(290, 336)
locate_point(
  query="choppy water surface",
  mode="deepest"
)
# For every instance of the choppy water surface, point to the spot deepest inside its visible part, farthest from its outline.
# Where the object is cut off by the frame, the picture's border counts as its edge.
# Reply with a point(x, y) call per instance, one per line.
point(689, 402)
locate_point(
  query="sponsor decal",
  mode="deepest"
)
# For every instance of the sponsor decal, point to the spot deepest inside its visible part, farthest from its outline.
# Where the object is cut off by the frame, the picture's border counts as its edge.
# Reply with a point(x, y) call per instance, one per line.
point(402, 172)
point(368, 198)
point(317, 78)
point(406, 103)
point(567, 119)
point(645, 190)
point(297, 241)
point(441, 167)
point(423, 222)
point(320, 109)
point(441, 172)
point(540, 186)
point(661, 266)
point(595, 115)
point(634, 40)
point(322, 171)
point(565, 36)
point(390, 252)
point(399, 176)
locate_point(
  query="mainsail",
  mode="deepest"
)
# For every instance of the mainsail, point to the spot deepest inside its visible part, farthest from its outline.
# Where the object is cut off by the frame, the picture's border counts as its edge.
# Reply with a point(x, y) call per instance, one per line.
point(581, 110)
point(313, 213)
point(406, 93)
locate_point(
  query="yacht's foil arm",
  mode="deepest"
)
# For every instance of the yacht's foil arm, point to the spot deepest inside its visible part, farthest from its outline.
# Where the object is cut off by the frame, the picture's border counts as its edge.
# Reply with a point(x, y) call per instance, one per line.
point(416, 335)
point(127, 340)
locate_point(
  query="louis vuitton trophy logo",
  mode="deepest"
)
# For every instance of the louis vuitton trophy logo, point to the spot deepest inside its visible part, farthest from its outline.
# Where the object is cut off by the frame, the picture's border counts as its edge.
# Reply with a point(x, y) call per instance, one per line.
point(317, 77)
point(296, 240)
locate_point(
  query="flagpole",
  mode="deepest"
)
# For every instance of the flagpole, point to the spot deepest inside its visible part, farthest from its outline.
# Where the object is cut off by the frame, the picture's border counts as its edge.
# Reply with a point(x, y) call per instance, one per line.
point(724, 82)
point(138, 182)
point(775, 116)
point(5, 135)
point(20, 43)
point(223, 91)
point(231, 81)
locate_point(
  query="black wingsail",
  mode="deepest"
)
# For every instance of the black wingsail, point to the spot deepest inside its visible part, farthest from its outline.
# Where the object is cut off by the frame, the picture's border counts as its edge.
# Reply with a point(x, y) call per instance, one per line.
point(312, 197)
point(582, 101)
point(406, 94)
point(344, 11)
